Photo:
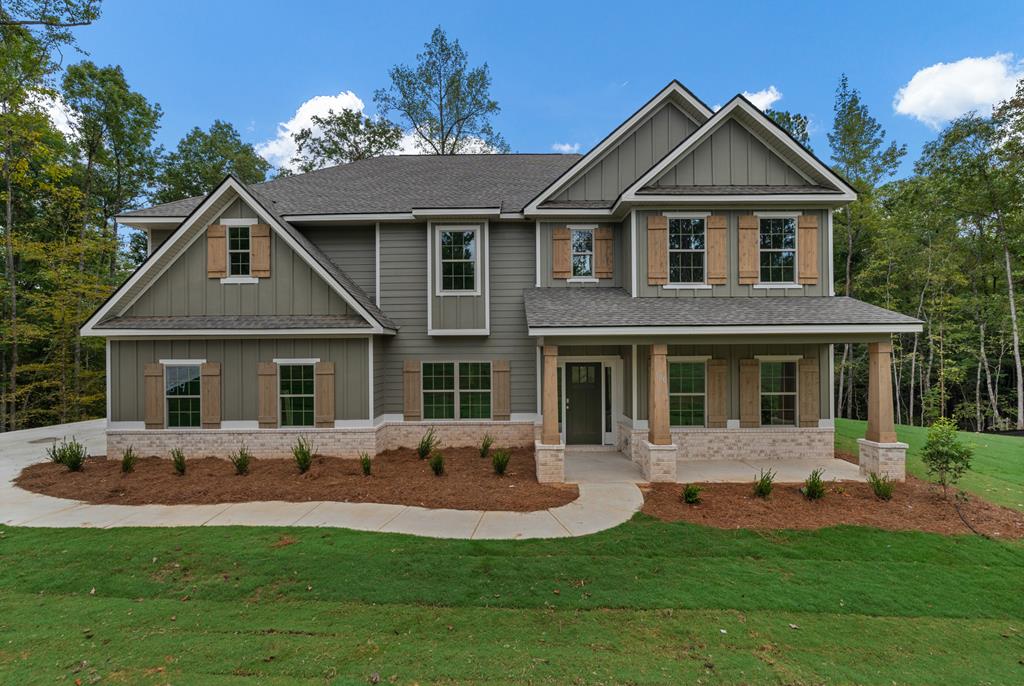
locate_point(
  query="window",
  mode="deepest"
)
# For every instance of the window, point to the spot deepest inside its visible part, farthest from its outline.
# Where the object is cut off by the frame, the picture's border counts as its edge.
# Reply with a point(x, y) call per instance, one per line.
point(686, 393)
point(582, 253)
point(453, 390)
point(181, 390)
point(686, 246)
point(778, 249)
point(238, 251)
point(778, 393)
point(458, 254)
point(296, 392)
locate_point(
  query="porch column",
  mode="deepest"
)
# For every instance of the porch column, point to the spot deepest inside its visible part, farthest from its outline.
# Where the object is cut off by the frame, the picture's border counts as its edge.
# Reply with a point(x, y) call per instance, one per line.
point(657, 411)
point(880, 424)
point(549, 403)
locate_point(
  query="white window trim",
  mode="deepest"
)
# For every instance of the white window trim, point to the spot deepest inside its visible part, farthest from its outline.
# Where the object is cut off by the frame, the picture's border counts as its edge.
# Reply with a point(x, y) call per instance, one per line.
point(796, 382)
point(592, 229)
point(308, 361)
point(240, 279)
point(683, 285)
point(477, 244)
point(456, 391)
point(795, 283)
point(167, 364)
point(690, 359)
point(235, 222)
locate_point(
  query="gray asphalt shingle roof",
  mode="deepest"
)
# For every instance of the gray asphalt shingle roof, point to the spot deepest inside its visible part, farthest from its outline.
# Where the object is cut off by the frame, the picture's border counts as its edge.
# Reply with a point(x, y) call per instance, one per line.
point(239, 321)
point(605, 307)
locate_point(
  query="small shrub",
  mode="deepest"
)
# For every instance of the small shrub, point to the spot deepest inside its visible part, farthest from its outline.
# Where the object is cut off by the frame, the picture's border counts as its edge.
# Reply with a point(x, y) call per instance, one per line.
point(764, 483)
point(178, 460)
point(427, 444)
point(485, 445)
point(241, 460)
point(437, 464)
point(691, 494)
point(302, 451)
point(499, 460)
point(944, 455)
point(814, 486)
point(882, 486)
point(71, 454)
point(128, 460)
point(366, 463)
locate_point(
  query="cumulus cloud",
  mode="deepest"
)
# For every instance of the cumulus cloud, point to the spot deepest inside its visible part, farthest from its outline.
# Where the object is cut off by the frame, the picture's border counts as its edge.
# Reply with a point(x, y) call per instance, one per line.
point(59, 113)
point(566, 147)
point(280, 150)
point(764, 98)
point(944, 91)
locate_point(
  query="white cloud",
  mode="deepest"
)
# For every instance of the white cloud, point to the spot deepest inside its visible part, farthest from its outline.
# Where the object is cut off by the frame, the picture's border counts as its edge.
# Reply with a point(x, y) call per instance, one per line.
point(280, 150)
point(764, 98)
point(61, 116)
point(944, 91)
point(566, 147)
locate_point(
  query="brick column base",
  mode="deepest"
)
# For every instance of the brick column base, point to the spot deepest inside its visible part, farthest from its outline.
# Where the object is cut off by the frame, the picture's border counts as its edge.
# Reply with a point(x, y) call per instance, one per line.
point(658, 462)
point(550, 462)
point(883, 459)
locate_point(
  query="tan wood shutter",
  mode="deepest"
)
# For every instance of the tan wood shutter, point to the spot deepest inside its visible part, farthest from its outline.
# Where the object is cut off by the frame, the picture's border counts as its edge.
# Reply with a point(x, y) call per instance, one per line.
point(216, 251)
point(749, 239)
point(807, 249)
point(809, 392)
point(501, 391)
point(209, 394)
point(750, 393)
point(561, 253)
point(718, 393)
point(718, 249)
point(259, 247)
point(604, 252)
point(323, 399)
point(267, 390)
point(411, 391)
point(657, 250)
point(153, 374)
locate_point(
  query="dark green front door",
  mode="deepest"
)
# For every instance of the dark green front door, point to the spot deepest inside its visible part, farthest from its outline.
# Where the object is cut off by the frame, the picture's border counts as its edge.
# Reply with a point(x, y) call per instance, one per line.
point(583, 403)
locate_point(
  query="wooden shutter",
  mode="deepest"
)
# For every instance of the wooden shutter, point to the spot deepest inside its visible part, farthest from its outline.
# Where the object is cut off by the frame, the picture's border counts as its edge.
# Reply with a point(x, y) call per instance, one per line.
point(412, 409)
point(267, 390)
point(501, 391)
point(750, 393)
point(718, 249)
point(749, 238)
point(657, 250)
point(209, 394)
point(323, 399)
point(216, 251)
point(809, 392)
point(259, 248)
point(604, 252)
point(718, 393)
point(807, 249)
point(561, 253)
point(153, 374)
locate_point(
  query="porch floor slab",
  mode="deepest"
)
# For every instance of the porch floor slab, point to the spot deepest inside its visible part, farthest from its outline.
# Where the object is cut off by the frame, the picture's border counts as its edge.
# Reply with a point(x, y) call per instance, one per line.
point(600, 466)
point(786, 471)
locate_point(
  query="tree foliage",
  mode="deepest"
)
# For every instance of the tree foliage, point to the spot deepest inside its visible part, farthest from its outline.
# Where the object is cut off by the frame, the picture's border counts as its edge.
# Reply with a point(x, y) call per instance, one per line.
point(793, 123)
point(203, 158)
point(343, 137)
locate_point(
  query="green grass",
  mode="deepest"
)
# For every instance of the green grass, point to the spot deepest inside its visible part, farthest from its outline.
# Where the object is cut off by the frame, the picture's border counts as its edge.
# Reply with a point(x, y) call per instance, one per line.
point(645, 603)
point(997, 468)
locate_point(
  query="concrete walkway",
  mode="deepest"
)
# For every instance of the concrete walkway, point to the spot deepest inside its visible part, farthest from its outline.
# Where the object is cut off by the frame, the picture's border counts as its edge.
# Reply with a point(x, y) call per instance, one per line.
point(604, 502)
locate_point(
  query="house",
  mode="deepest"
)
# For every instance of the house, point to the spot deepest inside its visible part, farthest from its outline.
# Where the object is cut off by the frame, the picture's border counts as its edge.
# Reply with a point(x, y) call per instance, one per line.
point(669, 293)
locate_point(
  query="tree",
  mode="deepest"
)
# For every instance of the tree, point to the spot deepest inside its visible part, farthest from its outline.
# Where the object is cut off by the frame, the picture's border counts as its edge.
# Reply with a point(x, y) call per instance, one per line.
point(342, 137)
point(793, 123)
point(202, 160)
point(944, 455)
point(447, 105)
point(49, 21)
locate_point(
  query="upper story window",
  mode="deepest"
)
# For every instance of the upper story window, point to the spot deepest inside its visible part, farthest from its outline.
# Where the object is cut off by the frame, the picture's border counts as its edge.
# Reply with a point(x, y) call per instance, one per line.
point(181, 393)
point(778, 393)
point(582, 243)
point(686, 249)
point(778, 249)
point(458, 254)
point(296, 389)
point(239, 252)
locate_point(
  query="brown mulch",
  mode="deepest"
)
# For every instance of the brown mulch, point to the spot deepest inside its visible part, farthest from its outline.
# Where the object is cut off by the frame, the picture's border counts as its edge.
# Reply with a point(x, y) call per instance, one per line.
point(399, 477)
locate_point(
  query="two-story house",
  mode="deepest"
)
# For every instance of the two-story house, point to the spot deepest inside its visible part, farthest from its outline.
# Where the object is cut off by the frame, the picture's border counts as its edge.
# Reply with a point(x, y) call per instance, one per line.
point(668, 293)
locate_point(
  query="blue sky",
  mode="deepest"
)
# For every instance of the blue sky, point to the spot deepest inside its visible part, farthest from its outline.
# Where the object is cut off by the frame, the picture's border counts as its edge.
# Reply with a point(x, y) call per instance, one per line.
point(563, 72)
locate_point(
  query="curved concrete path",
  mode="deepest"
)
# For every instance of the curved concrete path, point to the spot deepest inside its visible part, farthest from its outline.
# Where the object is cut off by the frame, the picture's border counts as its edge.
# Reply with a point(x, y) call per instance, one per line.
point(604, 502)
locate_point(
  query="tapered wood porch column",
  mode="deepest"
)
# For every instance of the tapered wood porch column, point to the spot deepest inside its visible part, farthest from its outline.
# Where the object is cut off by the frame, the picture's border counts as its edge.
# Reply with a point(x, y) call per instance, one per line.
point(549, 402)
point(880, 424)
point(657, 404)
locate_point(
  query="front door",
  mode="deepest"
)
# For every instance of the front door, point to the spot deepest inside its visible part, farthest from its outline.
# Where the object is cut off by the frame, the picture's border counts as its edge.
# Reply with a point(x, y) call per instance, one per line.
point(583, 403)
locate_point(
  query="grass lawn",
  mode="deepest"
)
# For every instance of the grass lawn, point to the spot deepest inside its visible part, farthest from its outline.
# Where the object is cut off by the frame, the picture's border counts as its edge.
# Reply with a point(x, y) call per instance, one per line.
point(997, 470)
point(645, 603)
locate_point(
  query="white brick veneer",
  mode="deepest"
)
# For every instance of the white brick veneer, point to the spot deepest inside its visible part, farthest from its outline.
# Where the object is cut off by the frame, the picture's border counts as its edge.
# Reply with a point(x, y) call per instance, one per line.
point(883, 459)
point(658, 462)
point(762, 443)
point(550, 462)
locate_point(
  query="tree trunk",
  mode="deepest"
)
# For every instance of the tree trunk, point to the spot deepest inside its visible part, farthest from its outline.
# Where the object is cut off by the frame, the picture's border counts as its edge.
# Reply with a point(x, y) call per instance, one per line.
point(1014, 330)
point(12, 284)
point(993, 396)
point(913, 378)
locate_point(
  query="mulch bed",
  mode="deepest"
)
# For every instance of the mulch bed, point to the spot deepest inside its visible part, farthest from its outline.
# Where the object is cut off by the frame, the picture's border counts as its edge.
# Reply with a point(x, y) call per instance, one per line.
point(399, 477)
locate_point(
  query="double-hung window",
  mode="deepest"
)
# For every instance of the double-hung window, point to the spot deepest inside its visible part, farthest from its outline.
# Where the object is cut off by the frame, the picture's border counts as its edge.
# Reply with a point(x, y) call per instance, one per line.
point(239, 253)
point(582, 244)
point(778, 393)
point(456, 390)
point(181, 392)
point(777, 242)
point(686, 393)
point(296, 393)
point(458, 258)
point(686, 250)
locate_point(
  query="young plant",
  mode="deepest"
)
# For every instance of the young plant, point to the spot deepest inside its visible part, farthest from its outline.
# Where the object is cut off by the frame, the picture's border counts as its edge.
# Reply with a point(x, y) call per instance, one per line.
point(437, 464)
point(882, 486)
point(241, 460)
point(178, 460)
point(485, 445)
point(366, 463)
point(302, 451)
point(499, 460)
point(944, 455)
point(427, 444)
point(128, 460)
point(764, 483)
point(691, 494)
point(814, 486)
point(71, 454)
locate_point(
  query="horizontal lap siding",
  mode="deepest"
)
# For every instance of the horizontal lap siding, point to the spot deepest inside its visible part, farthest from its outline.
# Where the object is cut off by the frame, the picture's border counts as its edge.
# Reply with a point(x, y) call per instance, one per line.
point(353, 249)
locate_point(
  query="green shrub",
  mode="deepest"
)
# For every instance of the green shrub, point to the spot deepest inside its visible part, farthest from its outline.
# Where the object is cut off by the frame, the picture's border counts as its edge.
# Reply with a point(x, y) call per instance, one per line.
point(178, 459)
point(882, 486)
point(71, 454)
point(691, 494)
point(302, 451)
point(764, 483)
point(499, 460)
point(366, 463)
point(427, 444)
point(814, 486)
point(485, 445)
point(241, 460)
point(437, 464)
point(128, 460)
point(944, 455)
